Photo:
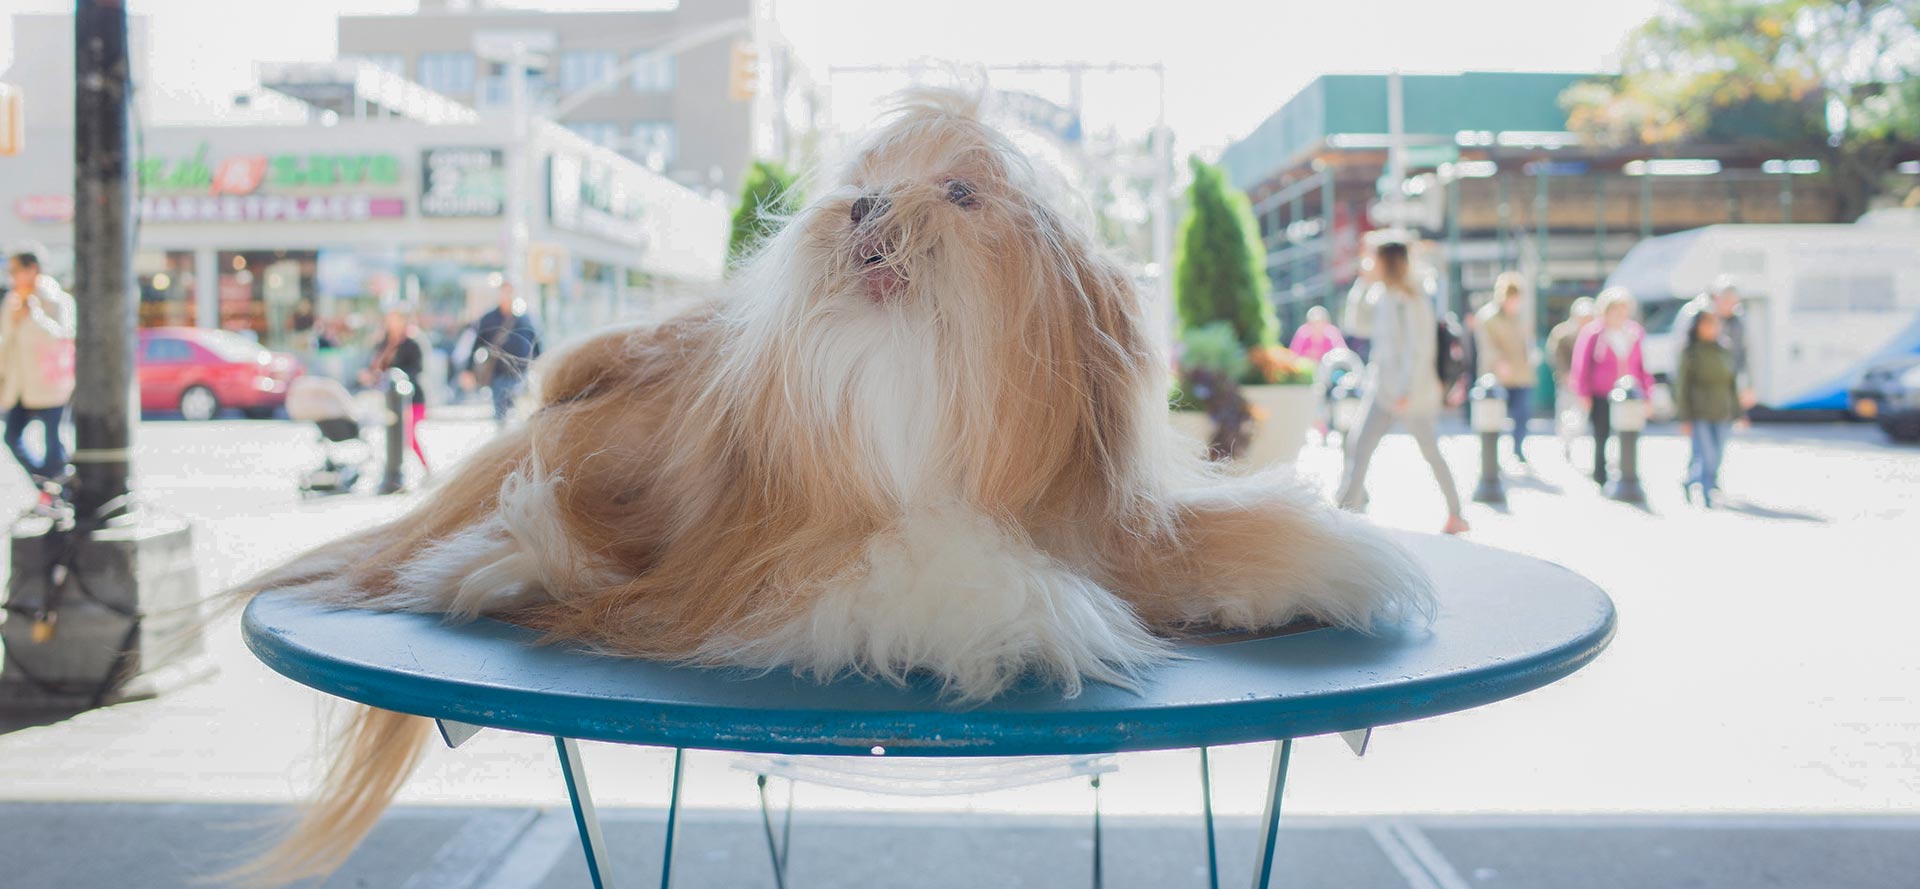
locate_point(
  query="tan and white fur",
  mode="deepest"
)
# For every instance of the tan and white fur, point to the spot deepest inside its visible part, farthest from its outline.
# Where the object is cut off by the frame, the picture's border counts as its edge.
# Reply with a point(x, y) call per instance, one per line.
point(925, 433)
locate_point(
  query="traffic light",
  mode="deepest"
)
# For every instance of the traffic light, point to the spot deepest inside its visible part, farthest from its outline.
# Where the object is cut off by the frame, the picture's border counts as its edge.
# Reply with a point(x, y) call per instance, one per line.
point(13, 120)
point(743, 72)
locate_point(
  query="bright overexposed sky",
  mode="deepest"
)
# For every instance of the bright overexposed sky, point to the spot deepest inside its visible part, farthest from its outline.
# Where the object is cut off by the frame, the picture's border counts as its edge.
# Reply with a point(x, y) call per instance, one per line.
point(1230, 63)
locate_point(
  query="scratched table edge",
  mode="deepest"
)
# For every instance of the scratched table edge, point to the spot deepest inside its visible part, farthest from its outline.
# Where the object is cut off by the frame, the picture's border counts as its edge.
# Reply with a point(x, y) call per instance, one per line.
point(947, 733)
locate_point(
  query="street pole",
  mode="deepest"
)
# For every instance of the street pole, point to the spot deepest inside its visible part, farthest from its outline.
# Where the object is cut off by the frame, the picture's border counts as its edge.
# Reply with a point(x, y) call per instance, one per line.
point(103, 233)
point(1329, 231)
point(1541, 208)
point(1396, 147)
point(517, 164)
point(1163, 215)
point(113, 593)
point(1456, 280)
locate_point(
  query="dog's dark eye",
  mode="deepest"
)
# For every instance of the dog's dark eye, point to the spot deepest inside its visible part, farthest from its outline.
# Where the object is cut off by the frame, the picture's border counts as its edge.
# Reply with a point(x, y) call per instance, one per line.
point(962, 194)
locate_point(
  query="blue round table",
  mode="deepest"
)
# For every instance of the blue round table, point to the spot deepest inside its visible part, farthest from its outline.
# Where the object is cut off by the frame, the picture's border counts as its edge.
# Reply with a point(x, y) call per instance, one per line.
point(1507, 624)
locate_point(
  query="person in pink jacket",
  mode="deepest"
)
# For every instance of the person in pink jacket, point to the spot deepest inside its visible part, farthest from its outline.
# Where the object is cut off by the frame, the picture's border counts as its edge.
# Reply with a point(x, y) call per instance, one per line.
point(1608, 348)
point(1317, 337)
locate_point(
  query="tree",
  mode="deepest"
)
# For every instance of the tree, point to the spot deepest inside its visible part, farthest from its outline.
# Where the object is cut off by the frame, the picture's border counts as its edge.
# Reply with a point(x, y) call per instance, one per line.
point(1219, 264)
point(769, 194)
point(1837, 80)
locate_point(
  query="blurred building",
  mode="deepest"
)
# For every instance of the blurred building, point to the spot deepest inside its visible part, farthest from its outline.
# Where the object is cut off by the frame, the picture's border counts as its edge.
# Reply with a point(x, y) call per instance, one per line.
point(699, 115)
point(389, 192)
point(1495, 182)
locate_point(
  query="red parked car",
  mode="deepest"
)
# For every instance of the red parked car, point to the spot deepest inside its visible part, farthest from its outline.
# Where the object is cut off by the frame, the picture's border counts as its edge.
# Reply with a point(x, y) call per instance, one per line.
point(201, 372)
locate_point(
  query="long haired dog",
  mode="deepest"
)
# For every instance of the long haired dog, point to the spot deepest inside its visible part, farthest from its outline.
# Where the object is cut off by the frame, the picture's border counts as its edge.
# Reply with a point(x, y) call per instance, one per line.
point(926, 433)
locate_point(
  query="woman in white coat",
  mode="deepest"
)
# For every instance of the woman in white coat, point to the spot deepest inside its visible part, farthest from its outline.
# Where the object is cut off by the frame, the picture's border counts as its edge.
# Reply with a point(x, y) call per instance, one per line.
point(36, 364)
point(1403, 381)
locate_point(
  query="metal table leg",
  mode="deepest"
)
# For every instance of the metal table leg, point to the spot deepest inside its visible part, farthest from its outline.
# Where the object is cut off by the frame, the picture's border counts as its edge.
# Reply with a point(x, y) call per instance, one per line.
point(1099, 881)
point(592, 842)
point(1206, 811)
point(1270, 821)
point(584, 817)
point(673, 819)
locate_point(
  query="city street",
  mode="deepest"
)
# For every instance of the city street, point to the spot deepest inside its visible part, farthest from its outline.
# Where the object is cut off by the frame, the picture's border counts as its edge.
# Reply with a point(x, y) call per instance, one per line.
point(1760, 687)
point(912, 260)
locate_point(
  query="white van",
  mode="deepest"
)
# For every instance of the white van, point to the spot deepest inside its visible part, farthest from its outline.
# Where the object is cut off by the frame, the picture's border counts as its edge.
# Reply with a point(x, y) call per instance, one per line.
point(1821, 301)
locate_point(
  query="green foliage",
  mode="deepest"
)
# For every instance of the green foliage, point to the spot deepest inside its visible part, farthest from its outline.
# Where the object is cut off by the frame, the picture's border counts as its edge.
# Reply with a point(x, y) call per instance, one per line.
point(769, 194)
point(1219, 265)
point(1767, 70)
point(1214, 347)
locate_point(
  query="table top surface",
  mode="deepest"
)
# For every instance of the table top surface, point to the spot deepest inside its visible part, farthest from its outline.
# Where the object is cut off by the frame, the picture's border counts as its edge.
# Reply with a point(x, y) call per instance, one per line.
point(1507, 624)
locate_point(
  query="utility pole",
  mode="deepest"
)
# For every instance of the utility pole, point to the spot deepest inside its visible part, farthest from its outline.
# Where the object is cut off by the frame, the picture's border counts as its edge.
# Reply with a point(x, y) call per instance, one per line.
point(1163, 214)
point(103, 255)
point(102, 599)
point(518, 160)
point(1396, 196)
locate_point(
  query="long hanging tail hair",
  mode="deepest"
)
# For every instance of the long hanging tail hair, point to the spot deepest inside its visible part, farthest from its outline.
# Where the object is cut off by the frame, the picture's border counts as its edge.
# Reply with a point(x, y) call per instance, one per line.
point(376, 751)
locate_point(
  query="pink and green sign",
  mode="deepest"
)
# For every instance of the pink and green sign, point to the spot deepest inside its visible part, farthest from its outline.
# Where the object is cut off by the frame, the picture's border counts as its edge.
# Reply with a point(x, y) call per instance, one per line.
point(246, 174)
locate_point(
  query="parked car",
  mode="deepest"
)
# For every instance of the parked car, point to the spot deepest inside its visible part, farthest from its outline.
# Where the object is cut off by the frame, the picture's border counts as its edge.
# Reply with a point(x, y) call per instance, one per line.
point(201, 372)
point(1888, 393)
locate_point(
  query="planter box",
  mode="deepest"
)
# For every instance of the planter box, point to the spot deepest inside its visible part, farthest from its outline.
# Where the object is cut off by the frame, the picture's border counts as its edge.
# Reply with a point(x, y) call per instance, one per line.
point(1287, 413)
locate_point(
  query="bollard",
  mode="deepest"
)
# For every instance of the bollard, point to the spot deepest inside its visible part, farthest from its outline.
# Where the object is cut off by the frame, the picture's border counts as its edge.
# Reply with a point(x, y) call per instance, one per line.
point(1627, 412)
point(1488, 402)
point(399, 404)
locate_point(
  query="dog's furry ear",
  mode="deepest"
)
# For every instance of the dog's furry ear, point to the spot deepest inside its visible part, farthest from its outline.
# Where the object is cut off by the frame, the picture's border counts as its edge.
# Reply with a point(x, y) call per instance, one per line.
point(1100, 335)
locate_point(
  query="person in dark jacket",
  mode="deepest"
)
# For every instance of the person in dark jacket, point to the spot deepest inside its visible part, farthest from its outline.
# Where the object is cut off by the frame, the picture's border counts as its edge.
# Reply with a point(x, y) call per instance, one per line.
point(1723, 300)
point(505, 342)
point(400, 349)
point(1706, 396)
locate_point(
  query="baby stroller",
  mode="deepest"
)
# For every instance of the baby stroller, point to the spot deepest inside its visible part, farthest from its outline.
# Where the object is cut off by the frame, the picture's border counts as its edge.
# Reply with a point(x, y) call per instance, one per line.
point(327, 404)
point(1339, 378)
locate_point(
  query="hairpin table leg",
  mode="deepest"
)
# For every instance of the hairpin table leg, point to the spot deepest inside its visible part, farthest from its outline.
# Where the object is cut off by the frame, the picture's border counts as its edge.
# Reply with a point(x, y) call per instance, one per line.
point(1099, 880)
point(1206, 811)
point(584, 817)
point(673, 819)
point(1270, 822)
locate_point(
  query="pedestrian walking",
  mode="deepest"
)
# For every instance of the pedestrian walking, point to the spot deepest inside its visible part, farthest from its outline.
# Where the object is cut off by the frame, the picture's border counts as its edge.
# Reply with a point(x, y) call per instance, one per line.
point(1608, 348)
point(400, 348)
point(1356, 318)
point(1504, 345)
point(1706, 398)
point(505, 341)
point(1403, 382)
point(1570, 410)
point(1723, 299)
point(36, 369)
point(1317, 337)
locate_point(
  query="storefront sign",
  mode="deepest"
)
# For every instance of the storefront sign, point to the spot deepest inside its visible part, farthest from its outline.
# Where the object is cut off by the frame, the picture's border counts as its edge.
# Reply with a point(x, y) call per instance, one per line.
point(462, 182)
point(244, 174)
point(587, 196)
point(44, 208)
point(270, 208)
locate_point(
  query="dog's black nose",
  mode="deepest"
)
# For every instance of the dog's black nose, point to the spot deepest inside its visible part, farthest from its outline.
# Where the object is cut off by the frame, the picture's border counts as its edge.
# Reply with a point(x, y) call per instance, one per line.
point(867, 206)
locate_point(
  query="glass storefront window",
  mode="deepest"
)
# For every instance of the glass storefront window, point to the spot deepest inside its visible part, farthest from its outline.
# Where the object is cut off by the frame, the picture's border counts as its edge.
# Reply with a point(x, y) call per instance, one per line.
point(166, 288)
point(267, 294)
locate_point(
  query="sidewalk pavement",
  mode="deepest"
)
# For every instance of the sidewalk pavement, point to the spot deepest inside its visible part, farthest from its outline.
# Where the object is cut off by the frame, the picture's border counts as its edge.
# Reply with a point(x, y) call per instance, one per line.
point(1763, 667)
point(102, 845)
